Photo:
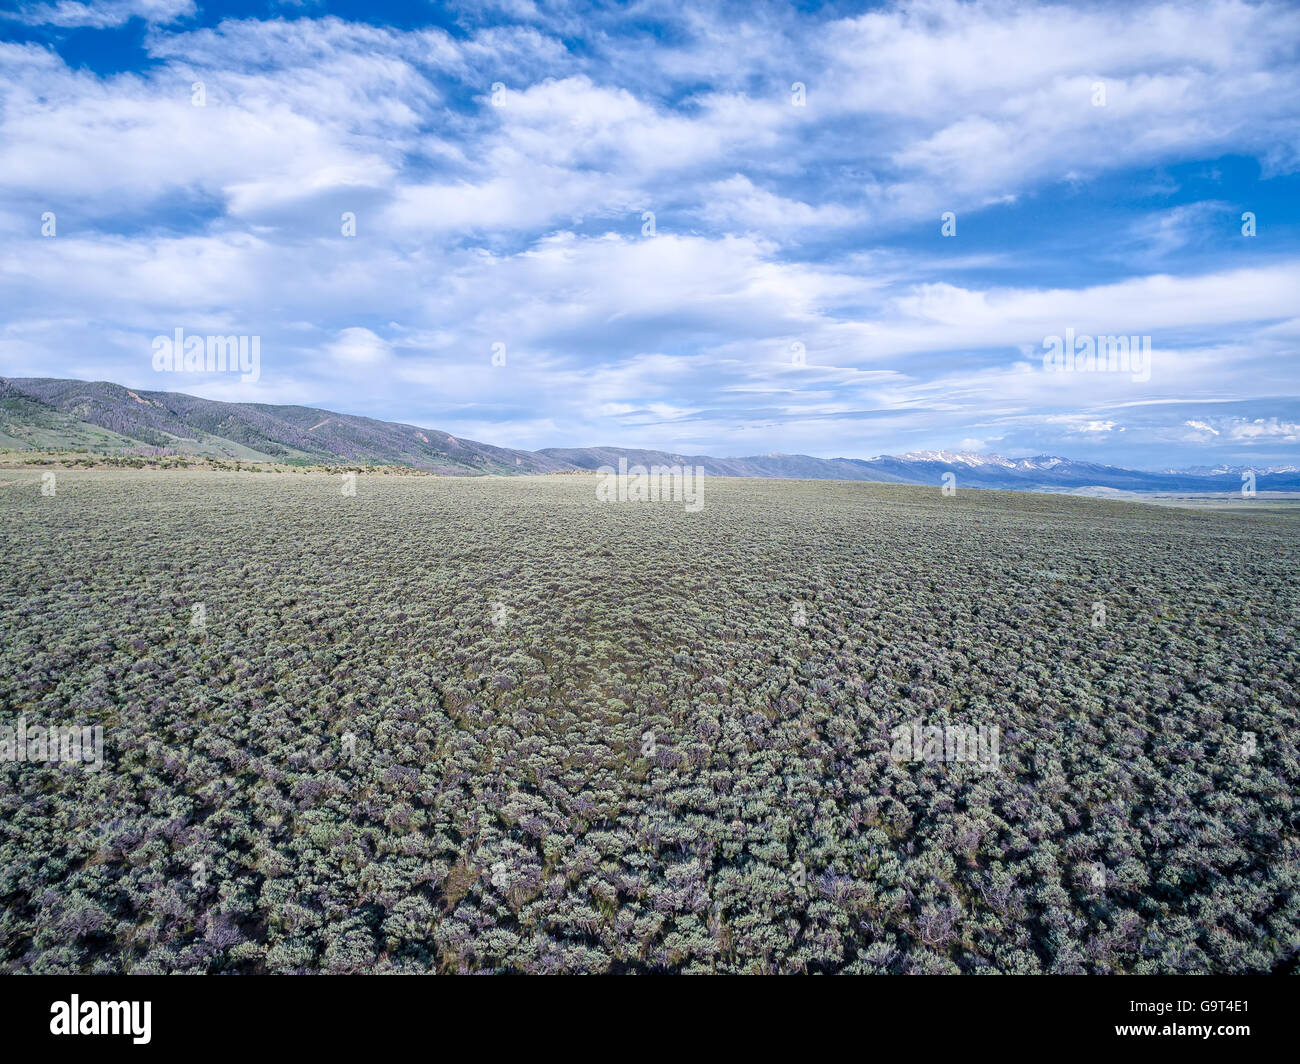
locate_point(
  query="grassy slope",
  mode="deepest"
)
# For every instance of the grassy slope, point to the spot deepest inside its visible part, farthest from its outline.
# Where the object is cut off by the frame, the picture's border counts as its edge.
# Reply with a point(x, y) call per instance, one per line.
point(68, 414)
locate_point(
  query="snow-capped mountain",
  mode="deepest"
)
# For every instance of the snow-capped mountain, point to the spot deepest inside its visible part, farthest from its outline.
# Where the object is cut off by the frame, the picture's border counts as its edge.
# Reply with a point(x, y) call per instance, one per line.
point(1044, 472)
point(979, 461)
point(1221, 470)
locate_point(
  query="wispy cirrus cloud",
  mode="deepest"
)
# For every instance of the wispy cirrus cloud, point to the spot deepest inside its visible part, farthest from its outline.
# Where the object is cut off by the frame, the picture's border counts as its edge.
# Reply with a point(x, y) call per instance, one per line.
point(99, 14)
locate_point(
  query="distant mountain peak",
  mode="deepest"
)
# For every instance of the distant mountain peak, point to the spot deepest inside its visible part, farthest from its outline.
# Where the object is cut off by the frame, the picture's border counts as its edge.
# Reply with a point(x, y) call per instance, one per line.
point(969, 458)
point(42, 413)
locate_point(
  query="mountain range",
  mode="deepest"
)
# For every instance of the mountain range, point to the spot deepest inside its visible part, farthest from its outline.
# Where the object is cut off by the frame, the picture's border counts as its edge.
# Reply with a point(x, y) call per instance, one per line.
point(39, 413)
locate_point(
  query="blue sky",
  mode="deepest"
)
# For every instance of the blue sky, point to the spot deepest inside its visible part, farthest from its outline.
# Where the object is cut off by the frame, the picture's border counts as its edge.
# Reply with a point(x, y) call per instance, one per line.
point(795, 293)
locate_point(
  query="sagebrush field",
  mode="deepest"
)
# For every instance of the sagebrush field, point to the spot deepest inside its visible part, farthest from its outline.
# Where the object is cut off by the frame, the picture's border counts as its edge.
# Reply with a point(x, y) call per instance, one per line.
point(464, 725)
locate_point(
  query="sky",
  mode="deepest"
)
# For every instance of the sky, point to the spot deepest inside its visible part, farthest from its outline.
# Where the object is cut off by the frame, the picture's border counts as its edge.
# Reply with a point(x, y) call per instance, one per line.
point(728, 229)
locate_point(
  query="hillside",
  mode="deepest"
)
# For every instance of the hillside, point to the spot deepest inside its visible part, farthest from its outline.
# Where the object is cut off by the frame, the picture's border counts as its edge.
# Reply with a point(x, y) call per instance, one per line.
point(66, 414)
point(47, 414)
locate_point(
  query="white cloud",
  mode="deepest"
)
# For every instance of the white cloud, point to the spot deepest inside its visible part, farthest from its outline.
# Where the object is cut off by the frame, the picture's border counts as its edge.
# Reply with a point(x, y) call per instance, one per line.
point(737, 201)
point(101, 14)
point(1265, 428)
point(356, 346)
point(521, 224)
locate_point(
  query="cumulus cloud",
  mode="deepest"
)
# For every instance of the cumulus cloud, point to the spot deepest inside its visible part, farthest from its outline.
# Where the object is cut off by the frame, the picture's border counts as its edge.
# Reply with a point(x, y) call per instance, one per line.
point(358, 346)
point(1264, 428)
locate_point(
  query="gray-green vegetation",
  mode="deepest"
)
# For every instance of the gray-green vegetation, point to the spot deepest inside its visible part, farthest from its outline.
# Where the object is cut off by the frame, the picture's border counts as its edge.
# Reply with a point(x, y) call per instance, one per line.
point(491, 724)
